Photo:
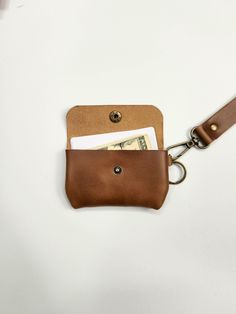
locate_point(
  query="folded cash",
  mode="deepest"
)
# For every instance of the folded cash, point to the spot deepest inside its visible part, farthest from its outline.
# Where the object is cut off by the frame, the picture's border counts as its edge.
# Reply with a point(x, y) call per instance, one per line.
point(140, 142)
point(105, 139)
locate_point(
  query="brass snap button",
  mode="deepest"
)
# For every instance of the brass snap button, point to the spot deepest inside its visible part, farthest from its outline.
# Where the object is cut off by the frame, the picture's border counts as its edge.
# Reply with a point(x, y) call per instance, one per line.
point(117, 170)
point(115, 116)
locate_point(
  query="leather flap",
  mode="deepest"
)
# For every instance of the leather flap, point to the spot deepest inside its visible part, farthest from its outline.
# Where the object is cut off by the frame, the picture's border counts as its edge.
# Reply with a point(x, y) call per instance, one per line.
point(89, 120)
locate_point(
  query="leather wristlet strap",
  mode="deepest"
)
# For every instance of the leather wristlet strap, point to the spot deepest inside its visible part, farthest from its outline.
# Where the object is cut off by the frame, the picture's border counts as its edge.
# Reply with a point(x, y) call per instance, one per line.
point(216, 125)
point(203, 135)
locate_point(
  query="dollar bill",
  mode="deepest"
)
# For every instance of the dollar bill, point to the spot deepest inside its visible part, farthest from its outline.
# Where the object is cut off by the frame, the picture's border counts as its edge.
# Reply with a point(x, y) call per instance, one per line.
point(140, 142)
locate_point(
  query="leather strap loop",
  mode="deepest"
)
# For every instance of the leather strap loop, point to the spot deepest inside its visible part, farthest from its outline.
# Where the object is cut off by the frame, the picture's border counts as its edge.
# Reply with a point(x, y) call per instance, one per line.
point(216, 125)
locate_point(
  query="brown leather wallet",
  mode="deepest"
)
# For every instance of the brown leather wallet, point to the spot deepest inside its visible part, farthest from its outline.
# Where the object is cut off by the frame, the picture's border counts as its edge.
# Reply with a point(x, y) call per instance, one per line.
point(129, 177)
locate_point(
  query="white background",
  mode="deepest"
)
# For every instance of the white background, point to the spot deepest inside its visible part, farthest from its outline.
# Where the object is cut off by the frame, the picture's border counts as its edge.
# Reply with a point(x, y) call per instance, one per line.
point(178, 55)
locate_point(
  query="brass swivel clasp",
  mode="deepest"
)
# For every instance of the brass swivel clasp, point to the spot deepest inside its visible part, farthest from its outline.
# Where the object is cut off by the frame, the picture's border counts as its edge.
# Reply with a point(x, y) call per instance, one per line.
point(186, 147)
point(194, 141)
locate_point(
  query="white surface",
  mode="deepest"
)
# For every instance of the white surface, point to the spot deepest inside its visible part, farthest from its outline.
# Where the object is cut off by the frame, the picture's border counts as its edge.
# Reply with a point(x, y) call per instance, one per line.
point(91, 141)
point(178, 55)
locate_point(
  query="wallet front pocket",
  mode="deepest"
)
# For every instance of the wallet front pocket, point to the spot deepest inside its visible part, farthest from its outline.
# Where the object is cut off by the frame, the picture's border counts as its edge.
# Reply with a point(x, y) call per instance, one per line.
point(117, 177)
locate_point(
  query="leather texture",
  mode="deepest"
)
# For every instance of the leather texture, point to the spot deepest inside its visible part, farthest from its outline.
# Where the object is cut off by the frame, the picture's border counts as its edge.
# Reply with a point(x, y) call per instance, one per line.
point(91, 180)
point(216, 125)
point(89, 120)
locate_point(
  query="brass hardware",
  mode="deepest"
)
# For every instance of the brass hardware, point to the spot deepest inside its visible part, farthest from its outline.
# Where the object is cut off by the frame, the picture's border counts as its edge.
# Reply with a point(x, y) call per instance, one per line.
point(214, 127)
point(194, 141)
point(117, 170)
point(115, 116)
point(199, 143)
point(184, 173)
point(187, 146)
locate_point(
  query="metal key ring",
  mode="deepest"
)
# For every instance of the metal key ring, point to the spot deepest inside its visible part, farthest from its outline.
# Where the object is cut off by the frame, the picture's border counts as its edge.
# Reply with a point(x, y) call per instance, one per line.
point(183, 170)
